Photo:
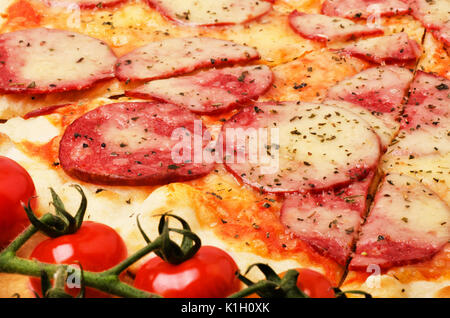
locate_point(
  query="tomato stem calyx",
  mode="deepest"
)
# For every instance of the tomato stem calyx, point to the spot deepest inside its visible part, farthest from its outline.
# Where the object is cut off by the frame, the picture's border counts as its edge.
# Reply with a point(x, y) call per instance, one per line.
point(273, 286)
point(343, 294)
point(63, 223)
point(169, 250)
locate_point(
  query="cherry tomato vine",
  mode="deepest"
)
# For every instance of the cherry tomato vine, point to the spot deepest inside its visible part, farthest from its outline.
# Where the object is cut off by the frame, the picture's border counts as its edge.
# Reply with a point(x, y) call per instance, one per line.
point(62, 223)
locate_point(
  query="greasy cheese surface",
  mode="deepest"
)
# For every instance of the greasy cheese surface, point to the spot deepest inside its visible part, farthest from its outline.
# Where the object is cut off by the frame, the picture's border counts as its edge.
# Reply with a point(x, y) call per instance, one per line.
point(181, 55)
point(194, 12)
point(252, 232)
point(403, 205)
point(222, 211)
point(44, 58)
point(317, 148)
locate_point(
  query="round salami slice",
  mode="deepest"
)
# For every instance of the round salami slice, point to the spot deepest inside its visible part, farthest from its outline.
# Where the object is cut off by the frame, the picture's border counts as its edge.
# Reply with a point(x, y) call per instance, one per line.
point(425, 118)
point(396, 48)
point(212, 91)
point(178, 56)
point(408, 223)
point(328, 221)
point(428, 104)
point(134, 144)
point(41, 60)
point(84, 4)
point(323, 28)
point(378, 89)
point(434, 16)
point(293, 147)
point(364, 8)
point(209, 13)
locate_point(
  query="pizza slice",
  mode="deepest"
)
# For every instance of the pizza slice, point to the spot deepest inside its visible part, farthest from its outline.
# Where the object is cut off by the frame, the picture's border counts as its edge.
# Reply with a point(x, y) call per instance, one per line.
point(304, 194)
point(270, 34)
point(416, 167)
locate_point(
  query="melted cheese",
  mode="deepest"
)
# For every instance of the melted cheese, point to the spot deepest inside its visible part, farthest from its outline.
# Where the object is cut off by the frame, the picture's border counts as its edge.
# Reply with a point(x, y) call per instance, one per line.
point(135, 24)
point(433, 170)
point(3, 6)
point(192, 202)
point(198, 12)
point(407, 211)
point(20, 130)
point(435, 57)
point(47, 58)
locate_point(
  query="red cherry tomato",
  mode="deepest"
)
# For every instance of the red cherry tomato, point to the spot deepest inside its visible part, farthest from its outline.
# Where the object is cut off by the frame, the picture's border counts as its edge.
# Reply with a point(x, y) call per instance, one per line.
point(95, 246)
point(209, 274)
point(314, 284)
point(16, 186)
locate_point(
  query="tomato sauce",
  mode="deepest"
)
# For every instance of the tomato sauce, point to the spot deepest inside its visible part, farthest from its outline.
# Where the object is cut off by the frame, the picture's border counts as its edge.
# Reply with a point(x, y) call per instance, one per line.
point(23, 14)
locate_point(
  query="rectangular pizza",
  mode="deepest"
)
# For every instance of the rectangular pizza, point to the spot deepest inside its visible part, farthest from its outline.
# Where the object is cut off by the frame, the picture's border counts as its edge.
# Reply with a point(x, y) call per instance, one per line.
point(253, 142)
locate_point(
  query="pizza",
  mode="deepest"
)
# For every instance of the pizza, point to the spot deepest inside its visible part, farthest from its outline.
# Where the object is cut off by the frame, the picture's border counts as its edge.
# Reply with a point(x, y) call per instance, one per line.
point(308, 135)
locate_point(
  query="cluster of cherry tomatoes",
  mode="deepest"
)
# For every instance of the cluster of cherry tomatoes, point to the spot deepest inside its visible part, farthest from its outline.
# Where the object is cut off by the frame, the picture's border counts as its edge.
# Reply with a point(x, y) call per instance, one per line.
point(211, 272)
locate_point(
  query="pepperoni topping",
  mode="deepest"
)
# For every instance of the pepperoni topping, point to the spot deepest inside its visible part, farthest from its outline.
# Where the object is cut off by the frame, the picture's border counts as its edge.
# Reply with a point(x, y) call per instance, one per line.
point(324, 28)
point(397, 48)
point(434, 16)
point(384, 126)
point(209, 13)
point(85, 4)
point(293, 147)
point(443, 34)
point(40, 61)
point(179, 56)
point(43, 111)
point(378, 89)
point(328, 221)
point(133, 144)
point(408, 223)
point(426, 117)
point(428, 103)
point(364, 8)
point(211, 91)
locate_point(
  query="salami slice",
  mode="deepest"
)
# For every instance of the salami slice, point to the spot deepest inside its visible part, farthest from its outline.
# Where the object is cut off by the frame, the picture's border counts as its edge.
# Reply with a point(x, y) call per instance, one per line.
point(179, 56)
point(209, 13)
point(294, 147)
point(378, 89)
point(443, 34)
point(364, 8)
point(40, 61)
point(426, 118)
point(396, 48)
point(408, 224)
point(328, 221)
point(211, 91)
point(85, 4)
point(386, 128)
point(434, 16)
point(429, 102)
point(133, 144)
point(43, 111)
point(324, 28)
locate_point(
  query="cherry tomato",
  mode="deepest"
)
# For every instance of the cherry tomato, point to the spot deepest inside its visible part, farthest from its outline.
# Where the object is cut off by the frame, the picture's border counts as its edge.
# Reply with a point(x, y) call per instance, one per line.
point(16, 186)
point(208, 274)
point(95, 246)
point(314, 284)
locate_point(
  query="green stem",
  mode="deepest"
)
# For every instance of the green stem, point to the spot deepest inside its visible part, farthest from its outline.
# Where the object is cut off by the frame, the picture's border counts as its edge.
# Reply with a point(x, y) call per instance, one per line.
point(60, 277)
point(119, 268)
point(23, 237)
point(253, 289)
point(107, 283)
